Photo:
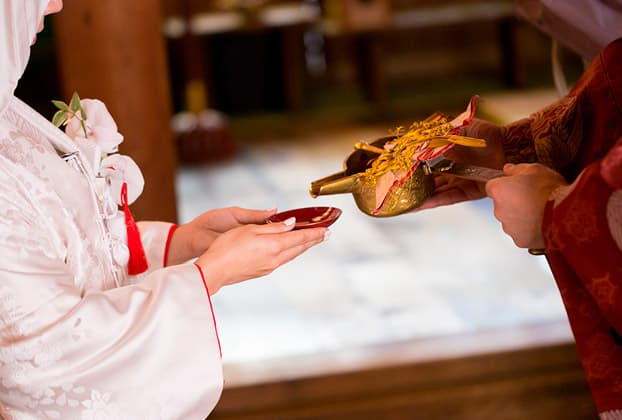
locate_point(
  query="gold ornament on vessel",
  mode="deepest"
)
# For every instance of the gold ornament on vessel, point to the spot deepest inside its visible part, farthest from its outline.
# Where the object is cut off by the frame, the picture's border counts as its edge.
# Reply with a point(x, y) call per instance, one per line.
point(393, 175)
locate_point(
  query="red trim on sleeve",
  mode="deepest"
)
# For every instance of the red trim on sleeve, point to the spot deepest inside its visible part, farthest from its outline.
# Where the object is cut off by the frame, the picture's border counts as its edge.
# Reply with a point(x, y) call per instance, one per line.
point(210, 306)
point(168, 244)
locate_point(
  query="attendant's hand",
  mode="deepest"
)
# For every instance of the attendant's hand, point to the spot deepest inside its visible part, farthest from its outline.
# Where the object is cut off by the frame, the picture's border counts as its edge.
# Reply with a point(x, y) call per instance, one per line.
point(520, 198)
point(450, 189)
point(252, 251)
point(193, 238)
point(490, 156)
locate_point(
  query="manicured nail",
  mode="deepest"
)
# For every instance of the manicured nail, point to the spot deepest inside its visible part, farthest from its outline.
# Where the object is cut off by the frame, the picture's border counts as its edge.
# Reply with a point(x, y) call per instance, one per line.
point(326, 235)
point(272, 210)
point(290, 221)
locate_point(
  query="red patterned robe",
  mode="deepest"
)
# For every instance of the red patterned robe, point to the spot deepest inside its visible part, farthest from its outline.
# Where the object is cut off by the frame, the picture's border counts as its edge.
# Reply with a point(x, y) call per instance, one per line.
point(581, 137)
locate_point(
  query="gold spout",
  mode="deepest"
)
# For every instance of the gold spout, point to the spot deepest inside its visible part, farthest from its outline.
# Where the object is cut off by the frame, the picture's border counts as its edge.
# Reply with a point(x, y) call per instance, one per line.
point(337, 183)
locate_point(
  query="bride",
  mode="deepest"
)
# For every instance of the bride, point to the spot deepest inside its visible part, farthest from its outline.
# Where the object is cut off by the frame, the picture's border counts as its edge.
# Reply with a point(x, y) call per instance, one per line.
point(100, 317)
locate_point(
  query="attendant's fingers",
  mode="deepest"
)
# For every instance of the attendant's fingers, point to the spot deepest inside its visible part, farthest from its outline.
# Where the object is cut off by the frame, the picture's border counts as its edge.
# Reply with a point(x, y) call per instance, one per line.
point(446, 182)
point(442, 180)
point(454, 192)
point(493, 185)
point(456, 184)
point(510, 169)
point(445, 198)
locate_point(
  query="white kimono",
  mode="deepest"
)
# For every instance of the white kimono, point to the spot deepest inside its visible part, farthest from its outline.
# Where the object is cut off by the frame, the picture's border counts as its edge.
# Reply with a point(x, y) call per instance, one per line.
point(79, 339)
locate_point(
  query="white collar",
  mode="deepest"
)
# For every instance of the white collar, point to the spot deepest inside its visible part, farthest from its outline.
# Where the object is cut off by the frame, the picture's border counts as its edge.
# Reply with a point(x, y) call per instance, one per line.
point(36, 125)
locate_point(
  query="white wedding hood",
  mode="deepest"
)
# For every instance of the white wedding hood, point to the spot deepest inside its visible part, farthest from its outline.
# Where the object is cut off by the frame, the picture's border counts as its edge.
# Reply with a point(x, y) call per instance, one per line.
point(19, 20)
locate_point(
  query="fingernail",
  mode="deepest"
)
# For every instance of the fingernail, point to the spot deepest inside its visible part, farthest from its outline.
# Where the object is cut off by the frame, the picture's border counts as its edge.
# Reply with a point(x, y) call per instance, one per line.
point(290, 221)
point(272, 210)
point(508, 166)
point(326, 235)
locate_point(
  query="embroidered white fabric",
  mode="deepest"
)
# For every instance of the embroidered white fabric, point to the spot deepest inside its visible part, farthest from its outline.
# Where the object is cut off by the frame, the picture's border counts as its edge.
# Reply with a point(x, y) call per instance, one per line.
point(611, 415)
point(78, 338)
point(614, 216)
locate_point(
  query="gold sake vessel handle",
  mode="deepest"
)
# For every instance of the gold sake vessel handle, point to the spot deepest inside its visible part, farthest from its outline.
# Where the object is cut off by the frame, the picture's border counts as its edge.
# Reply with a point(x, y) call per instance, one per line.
point(472, 172)
point(361, 145)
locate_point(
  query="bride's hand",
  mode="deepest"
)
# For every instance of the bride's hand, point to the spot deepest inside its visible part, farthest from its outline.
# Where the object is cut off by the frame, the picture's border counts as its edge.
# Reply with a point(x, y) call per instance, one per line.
point(193, 238)
point(253, 251)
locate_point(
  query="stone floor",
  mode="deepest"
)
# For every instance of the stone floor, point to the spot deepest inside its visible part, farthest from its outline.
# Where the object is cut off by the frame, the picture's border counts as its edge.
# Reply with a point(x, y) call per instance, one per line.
point(375, 281)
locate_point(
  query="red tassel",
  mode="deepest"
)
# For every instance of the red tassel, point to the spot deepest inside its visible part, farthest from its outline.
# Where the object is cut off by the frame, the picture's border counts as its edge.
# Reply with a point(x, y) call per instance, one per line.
point(138, 260)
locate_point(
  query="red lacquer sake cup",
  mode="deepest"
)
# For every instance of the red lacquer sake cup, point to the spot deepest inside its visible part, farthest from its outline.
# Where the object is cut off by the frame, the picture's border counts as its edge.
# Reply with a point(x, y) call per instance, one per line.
point(308, 217)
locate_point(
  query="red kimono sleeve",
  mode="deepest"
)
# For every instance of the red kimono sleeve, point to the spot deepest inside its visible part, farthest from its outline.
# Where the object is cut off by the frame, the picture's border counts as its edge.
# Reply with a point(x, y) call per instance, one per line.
point(575, 130)
point(583, 237)
point(580, 136)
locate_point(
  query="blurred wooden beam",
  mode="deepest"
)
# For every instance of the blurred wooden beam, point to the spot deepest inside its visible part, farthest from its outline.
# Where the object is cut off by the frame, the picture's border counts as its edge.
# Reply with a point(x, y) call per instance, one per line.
point(114, 51)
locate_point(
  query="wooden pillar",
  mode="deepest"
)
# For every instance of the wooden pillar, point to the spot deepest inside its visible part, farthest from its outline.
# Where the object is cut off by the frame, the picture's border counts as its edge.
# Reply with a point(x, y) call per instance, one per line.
point(292, 46)
point(114, 51)
point(196, 70)
point(370, 66)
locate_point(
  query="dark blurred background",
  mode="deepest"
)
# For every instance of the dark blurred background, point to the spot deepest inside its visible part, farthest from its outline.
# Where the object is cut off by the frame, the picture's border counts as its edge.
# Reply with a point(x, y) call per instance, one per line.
point(331, 59)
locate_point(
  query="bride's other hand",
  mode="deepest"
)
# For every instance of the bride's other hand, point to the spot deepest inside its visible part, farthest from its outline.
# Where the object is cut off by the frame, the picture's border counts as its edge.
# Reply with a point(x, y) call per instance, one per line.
point(252, 251)
point(193, 238)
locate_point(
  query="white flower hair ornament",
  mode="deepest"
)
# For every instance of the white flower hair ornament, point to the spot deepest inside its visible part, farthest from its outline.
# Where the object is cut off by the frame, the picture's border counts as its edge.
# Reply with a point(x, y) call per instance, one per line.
point(89, 124)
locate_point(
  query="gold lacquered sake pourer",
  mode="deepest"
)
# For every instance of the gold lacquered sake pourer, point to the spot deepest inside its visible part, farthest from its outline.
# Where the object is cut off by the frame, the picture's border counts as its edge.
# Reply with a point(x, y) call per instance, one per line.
point(395, 174)
point(406, 196)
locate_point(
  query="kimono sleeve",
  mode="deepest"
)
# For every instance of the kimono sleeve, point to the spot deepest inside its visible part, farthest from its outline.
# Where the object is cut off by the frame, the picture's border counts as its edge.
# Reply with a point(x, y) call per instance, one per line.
point(143, 351)
point(550, 136)
point(156, 238)
point(583, 234)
